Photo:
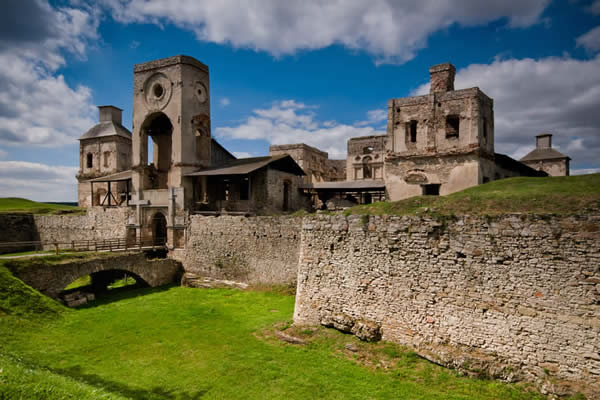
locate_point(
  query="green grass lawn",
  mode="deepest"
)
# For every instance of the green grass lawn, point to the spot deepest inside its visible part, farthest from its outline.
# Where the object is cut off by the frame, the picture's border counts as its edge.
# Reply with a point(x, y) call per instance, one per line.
point(181, 343)
point(549, 195)
point(19, 205)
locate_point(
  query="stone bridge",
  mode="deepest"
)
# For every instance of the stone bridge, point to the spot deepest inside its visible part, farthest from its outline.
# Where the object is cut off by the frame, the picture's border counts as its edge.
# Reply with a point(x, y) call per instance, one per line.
point(51, 279)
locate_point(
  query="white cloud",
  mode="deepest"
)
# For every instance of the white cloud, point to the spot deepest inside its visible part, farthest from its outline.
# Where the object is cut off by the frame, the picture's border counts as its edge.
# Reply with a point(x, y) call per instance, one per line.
point(556, 95)
point(225, 101)
point(590, 40)
point(38, 182)
point(37, 106)
point(243, 154)
point(374, 117)
point(390, 30)
point(3, 153)
point(292, 122)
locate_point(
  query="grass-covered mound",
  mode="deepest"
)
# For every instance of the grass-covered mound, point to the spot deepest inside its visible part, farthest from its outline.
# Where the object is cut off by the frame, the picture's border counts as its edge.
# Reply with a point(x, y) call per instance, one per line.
point(19, 299)
point(19, 205)
point(182, 343)
point(549, 195)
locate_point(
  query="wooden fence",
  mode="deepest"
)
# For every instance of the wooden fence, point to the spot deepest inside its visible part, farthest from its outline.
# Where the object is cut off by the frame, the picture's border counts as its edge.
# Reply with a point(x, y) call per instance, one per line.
point(117, 244)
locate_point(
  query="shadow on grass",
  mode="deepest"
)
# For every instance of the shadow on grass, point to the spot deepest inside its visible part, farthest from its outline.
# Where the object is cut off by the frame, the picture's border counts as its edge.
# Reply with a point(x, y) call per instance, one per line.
point(155, 393)
point(123, 293)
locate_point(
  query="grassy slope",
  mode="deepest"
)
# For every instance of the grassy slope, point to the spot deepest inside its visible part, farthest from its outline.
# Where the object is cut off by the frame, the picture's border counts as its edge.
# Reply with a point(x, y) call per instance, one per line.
point(180, 343)
point(18, 205)
point(17, 298)
point(555, 195)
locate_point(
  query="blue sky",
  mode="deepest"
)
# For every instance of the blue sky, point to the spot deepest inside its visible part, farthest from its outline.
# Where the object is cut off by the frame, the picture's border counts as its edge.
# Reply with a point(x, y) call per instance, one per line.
point(285, 72)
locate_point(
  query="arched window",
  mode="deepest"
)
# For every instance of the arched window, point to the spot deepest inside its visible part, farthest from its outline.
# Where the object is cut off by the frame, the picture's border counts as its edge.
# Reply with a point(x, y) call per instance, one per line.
point(90, 160)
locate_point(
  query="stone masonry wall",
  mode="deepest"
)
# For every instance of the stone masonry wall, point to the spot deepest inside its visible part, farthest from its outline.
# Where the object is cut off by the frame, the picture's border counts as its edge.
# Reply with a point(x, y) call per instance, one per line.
point(17, 228)
point(97, 223)
point(253, 250)
point(517, 296)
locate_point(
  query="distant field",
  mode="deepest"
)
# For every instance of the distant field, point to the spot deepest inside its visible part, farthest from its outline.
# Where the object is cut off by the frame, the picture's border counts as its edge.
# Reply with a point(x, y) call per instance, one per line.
point(550, 195)
point(19, 205)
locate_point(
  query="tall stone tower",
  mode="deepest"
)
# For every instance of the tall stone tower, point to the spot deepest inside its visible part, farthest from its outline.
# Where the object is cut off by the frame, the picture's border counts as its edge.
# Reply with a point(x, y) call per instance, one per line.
point(171, 113)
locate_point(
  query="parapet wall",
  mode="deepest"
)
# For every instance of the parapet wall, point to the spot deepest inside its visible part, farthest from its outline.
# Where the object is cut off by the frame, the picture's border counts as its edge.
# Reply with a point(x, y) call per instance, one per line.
point(97, 223)
point(253, 250)
point(519, 296)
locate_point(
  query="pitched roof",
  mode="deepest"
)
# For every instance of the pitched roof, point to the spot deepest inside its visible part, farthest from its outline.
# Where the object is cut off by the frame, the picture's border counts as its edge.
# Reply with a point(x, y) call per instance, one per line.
point(244, 166)
point(116, 177)
point(547, 153)
point(106, 128)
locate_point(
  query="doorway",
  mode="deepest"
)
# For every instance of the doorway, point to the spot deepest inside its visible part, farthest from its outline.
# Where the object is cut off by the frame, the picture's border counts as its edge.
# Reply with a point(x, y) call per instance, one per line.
point(159, 229)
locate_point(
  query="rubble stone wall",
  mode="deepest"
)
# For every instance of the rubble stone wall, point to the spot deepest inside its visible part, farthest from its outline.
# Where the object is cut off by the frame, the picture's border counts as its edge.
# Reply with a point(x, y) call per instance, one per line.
point(17, 228)
point(97, 223)
point(253, 250)
point(517, 295)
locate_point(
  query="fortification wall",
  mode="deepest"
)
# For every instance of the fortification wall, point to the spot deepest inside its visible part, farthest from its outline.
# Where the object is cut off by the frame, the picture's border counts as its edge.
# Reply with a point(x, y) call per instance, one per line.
point(252, 250)
point(97, 223)
point(17, 228)
point(515, 296)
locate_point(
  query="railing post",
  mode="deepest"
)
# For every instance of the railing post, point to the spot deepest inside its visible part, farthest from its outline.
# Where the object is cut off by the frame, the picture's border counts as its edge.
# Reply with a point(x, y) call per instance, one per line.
point(56, 247)
point(73, 245)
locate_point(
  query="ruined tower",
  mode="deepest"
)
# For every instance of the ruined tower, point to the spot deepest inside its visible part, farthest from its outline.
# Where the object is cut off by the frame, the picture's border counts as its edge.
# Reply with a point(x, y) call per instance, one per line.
point(171, 137)
point(103, 150)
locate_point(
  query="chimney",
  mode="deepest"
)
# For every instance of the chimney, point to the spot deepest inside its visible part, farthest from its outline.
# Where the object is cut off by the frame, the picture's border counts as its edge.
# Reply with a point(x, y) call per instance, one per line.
point(110, 114)
point(442, 78)
point(543, 141)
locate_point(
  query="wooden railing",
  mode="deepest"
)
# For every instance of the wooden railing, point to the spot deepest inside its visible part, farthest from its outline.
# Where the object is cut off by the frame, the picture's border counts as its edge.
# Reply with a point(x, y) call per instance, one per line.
point(116, 244)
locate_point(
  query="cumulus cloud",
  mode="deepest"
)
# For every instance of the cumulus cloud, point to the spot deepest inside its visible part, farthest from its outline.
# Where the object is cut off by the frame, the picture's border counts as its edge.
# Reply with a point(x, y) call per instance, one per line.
point(390, 30)
point(374, 117)
point(556, 95)
point(590, 40)
point(36, 181)
point(37, 106)
point(289, 121)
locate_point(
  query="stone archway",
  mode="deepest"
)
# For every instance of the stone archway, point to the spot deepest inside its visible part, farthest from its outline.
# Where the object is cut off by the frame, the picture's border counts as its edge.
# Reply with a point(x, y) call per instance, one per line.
point(158, 127)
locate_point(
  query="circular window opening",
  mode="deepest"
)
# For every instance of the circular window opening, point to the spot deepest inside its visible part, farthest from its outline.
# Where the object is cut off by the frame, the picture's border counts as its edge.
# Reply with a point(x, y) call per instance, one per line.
point(158, 90)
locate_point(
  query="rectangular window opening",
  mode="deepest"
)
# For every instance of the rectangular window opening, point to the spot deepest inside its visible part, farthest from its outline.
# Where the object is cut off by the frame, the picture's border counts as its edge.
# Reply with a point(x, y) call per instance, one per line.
point(485, 129)
point(244, 189)
point(413, 131)
point(432, 189)
point(452, 126)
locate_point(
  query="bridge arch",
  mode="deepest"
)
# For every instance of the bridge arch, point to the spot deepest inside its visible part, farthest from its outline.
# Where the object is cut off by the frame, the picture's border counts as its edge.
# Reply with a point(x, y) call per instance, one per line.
point(52, 279)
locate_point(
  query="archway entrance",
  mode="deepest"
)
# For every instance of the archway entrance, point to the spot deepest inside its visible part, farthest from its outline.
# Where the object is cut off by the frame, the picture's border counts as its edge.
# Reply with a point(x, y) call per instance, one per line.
point(159, 229)
point(158, 130)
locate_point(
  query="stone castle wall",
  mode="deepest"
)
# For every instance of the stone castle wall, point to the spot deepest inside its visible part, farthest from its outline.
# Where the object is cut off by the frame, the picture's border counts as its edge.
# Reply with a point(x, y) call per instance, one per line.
point(97, 223)
point(17, 228)
point(253, 250)
point(516, 296)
